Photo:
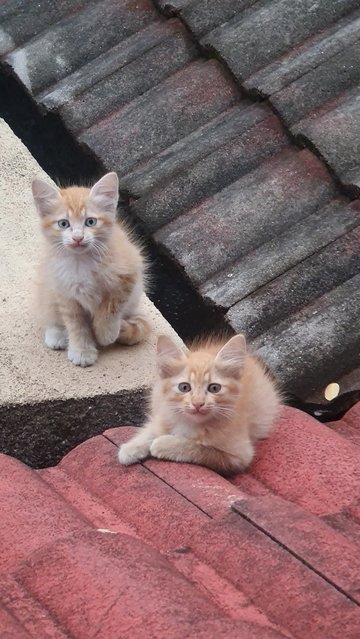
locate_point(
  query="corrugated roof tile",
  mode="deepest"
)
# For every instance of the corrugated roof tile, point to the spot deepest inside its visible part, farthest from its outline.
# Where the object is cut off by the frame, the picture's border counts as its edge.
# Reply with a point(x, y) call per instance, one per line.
point(105, 549)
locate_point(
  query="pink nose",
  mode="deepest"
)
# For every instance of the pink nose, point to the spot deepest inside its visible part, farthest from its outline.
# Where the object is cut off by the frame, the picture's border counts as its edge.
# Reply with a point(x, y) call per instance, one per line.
point(77, 240)
point(198, 405)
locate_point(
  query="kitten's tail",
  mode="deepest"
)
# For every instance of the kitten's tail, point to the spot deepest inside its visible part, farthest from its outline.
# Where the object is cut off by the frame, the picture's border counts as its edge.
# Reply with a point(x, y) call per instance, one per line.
point(134, 330)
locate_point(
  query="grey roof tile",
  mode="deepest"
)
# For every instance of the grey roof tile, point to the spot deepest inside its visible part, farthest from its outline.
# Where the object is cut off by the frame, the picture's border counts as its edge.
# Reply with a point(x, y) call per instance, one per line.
point(250, 211)
point(307, 56)
point(188, 150)
point(57, 52)
point(299, 286)
point(130, 81)
point(214, 177)
point(322, 338)
point(203, 16)
point(172, 5)
point(336, 134)
point(21, 19)
point(281, 253)
point(337, 74)
point(213, 172)
point(105, 64)
point(169, 111)
point(270, 29)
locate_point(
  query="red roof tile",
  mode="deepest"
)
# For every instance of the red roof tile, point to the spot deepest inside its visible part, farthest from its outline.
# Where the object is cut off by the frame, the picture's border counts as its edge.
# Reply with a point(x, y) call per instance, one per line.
point(95, 549)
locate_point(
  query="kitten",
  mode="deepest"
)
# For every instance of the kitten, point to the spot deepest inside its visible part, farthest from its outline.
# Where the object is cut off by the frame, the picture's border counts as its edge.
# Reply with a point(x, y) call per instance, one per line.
point(210, 405)
point(91, 273)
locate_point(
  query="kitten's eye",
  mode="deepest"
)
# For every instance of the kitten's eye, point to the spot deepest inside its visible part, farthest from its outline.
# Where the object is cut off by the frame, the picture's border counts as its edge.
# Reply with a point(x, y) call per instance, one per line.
point(63, 224)
point(90, 221)
point(214, 388)
point(184, 387)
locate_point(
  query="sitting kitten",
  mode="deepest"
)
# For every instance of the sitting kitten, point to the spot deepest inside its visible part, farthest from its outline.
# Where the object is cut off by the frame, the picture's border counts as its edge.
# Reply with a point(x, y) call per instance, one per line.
point(209, 406)
point(91, 273)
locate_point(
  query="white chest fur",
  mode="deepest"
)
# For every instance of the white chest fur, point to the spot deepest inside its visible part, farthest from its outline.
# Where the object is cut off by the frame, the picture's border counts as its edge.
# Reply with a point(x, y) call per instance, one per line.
point(78, 277)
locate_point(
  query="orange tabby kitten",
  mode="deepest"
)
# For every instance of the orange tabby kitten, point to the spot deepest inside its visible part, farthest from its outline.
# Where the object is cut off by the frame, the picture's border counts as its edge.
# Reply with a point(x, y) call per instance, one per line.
point(91, 273)
point(210, 405)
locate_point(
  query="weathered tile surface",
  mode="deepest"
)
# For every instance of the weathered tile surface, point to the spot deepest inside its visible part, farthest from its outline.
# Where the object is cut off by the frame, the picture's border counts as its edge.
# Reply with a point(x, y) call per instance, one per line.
point(74, 40)
point(104, 549)
point(165, 113)
point(299, 286)
point(129, 81)
point(258, 226)
point(247, 213)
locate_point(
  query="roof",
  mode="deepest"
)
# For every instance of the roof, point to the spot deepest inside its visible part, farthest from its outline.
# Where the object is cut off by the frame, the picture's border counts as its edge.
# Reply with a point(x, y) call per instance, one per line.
point(92, 549)
point(234, 128)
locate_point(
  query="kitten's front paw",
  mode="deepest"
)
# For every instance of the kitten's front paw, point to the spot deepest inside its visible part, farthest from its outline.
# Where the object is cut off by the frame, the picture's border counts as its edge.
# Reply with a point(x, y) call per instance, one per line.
point(107, 331)
point(164, 447)
point(83, 358)
point(132, 452)
point(56, 338)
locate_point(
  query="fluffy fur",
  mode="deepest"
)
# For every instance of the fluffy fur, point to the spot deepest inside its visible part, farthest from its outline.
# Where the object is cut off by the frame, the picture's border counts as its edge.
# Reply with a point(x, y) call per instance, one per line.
point(210, 405)
point(91, 273)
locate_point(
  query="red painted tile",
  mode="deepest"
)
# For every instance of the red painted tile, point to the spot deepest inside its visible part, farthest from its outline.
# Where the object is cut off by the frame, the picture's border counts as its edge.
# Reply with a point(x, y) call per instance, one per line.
point(31, 616)
point(346, 525)
point(349, 425)
point(230, 599)
point(286, 590)
point(352, 417)
point(309, 464)
point(90, 507)
point(31, 513)
point(10, 628)
point(308, 537)
point(159, 515)
point(111, 586)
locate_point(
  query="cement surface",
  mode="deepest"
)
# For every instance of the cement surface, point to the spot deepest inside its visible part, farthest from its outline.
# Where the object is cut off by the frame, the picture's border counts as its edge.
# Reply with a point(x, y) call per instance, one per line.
point(29, 372)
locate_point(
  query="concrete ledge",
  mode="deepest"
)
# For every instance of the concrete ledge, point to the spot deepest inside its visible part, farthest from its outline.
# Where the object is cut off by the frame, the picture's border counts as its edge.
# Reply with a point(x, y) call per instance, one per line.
point(48, 405)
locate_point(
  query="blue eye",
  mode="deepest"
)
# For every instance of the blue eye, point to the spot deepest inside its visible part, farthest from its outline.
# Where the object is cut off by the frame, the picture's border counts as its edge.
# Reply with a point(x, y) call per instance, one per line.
point(63, 224)
point(184, 387)
point(214, 388)
point(90, 221)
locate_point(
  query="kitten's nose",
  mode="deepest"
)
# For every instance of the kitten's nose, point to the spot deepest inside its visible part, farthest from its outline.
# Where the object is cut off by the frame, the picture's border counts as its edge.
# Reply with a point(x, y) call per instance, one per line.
point(198, 405)
point(77, 240)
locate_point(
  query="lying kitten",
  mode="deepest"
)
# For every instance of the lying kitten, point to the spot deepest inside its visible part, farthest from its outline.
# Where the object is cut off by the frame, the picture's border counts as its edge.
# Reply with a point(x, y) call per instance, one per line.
point(91, 273)
point(209, 406)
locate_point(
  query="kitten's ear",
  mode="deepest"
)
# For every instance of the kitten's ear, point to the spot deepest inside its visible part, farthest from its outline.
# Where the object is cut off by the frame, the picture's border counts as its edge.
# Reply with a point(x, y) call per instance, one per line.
point(105, 193)
point(170, 356)
point(232, 356)
point(45, 195)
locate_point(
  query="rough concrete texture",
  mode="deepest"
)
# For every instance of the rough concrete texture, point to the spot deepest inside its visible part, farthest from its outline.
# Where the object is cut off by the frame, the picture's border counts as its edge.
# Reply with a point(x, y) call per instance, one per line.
point(104, 551)
point(30, 374)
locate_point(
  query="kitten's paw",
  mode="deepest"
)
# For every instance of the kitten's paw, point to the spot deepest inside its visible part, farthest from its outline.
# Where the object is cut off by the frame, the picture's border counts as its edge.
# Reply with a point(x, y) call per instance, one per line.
point(83, 358)
point(56, 338)
point(165, 447)
point(134, 330)
point(244, 457)
point(132, 452)
point(107, 331)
